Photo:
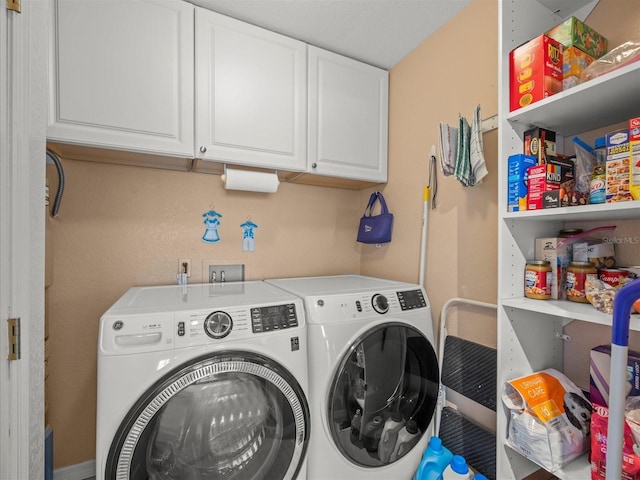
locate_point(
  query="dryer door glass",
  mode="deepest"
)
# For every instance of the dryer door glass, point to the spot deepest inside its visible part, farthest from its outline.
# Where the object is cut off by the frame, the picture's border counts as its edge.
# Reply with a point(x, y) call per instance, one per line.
point(383, 395)
point(233, 416)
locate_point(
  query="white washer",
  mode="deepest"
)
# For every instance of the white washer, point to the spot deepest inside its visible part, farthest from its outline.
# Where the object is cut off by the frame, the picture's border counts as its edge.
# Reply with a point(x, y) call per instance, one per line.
point(203, 381)
point(372, 369)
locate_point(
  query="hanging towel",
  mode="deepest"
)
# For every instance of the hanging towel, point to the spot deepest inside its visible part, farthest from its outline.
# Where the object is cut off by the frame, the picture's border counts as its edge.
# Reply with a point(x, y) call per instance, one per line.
point(476, 150)
point(448, 146)
point(463, 163)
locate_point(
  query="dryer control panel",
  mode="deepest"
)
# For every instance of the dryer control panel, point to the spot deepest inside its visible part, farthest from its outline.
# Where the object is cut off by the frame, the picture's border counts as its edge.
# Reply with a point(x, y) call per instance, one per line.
point(378, 304)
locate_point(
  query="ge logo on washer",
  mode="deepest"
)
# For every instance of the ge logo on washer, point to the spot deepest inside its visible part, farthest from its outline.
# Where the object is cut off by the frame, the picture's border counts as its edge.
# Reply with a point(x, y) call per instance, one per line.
point(118, 324)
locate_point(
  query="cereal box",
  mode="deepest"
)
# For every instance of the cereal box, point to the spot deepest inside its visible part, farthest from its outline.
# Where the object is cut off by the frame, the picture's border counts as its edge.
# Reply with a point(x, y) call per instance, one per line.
point(634, 157)
point(617, 167)
point(535, 71)
point(574, 61)
point(539, 143)
point(517, 181)
point(573, 32)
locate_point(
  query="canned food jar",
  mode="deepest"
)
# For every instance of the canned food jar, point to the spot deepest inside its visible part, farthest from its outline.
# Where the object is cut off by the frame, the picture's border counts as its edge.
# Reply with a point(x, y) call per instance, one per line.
point(537, 280)
point(612, 276)
point(577, 275)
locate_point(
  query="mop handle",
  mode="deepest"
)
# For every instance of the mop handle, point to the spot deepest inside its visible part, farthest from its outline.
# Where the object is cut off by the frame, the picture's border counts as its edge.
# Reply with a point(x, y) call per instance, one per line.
point(622, 304)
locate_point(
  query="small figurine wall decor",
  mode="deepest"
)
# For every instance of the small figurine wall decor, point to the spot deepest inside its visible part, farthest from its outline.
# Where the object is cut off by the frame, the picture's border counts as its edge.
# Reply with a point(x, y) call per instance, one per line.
point(211, 221)
point(248, 240)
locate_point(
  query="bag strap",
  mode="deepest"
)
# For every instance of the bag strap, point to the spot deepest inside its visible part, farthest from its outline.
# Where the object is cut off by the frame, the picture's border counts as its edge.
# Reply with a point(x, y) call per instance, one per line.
point(376, 196)
point(383, 204)
point(372, 201)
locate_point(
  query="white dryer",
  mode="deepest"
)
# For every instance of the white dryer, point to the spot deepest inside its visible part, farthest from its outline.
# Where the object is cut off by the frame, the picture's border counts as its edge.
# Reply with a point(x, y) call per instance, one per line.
point(373, 375)
point(203, 381)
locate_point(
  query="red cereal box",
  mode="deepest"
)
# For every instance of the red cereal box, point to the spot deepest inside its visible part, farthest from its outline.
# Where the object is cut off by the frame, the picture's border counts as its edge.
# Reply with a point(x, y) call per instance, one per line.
point(535, 71)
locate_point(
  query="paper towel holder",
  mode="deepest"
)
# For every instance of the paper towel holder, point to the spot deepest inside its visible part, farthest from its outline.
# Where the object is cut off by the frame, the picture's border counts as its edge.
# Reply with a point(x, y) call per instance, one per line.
point(250, 180)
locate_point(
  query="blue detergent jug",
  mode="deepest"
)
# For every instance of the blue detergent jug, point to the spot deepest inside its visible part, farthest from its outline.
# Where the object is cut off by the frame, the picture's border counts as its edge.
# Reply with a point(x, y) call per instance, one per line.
point(435, 459)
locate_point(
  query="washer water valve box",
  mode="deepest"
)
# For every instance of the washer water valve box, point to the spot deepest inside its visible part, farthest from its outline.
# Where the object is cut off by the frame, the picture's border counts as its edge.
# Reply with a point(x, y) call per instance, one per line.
point(535, 71)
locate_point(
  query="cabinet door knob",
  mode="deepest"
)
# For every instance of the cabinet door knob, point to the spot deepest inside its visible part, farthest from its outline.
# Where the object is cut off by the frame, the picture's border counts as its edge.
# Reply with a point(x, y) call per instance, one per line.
point(203, 149)
point(314, 165)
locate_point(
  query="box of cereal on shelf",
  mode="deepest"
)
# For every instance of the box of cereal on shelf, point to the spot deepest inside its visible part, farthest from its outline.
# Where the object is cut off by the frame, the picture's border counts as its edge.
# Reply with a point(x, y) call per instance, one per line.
point(535, 71)
point(617, 167)
point(634, 157)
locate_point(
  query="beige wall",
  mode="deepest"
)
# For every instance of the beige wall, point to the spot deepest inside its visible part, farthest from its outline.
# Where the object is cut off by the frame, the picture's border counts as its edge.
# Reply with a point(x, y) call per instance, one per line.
point(443, 78)
point(122, 226)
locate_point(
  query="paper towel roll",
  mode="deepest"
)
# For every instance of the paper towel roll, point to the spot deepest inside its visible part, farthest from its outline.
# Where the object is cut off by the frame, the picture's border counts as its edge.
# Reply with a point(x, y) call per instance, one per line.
point(250, 181)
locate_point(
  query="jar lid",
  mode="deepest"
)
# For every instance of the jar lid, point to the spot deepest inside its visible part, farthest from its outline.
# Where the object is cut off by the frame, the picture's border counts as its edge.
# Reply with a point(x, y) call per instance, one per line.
point(539, 262)
point(582, 264)
point(568, 232)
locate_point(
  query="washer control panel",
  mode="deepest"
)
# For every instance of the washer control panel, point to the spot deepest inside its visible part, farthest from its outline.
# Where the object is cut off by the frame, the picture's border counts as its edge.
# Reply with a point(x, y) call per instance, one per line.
point(411, 299)
point(274, 317)
point(205, 326)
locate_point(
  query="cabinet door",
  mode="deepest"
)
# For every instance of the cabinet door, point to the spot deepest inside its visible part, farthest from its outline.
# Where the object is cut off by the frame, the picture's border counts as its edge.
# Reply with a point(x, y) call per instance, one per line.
point(121, 75)
point(251, 94)
point(348, 117)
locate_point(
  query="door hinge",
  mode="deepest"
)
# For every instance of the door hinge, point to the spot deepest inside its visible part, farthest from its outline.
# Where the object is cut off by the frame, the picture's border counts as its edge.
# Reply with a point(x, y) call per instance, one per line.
point(14, 338)
point(13, 5)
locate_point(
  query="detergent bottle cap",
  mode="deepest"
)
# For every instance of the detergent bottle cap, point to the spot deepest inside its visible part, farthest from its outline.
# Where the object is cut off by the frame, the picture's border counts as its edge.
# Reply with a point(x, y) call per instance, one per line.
point(412, 427)
point(459, 464)
point(396, 416)
point(479, 476)
point(435, 444)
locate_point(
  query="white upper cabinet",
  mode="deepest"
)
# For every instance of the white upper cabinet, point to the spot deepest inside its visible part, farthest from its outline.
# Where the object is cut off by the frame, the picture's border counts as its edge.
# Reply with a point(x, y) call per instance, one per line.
point(348, 117)
point(251, 90)
point(122, 75)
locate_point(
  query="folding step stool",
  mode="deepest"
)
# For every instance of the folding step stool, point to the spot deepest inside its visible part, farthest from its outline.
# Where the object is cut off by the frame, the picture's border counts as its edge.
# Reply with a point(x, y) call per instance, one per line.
point(467, 383)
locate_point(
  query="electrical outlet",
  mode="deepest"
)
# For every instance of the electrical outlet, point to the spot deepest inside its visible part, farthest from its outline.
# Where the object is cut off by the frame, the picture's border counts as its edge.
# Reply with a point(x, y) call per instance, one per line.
point(184, 266)
point(226, 273)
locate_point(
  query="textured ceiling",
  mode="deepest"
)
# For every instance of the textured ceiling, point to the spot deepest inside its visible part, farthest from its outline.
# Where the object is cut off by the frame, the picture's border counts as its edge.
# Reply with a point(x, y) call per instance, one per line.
point(378, 32)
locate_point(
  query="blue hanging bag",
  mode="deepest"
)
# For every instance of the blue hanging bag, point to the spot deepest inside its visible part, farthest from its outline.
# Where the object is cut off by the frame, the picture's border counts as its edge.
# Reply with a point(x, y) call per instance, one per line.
point(375, 229)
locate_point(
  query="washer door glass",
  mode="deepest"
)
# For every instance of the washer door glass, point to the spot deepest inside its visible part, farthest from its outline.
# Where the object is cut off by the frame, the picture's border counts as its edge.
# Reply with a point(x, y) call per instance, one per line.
point(235, 416)
point(383, 395)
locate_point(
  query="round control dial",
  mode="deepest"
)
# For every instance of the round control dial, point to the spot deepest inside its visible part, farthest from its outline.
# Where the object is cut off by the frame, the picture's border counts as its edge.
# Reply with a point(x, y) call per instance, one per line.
point(218, 325)
point(380, 303)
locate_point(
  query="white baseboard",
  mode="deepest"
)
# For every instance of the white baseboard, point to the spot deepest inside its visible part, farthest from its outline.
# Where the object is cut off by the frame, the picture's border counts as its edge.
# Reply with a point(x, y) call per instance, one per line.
point(79, 471)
